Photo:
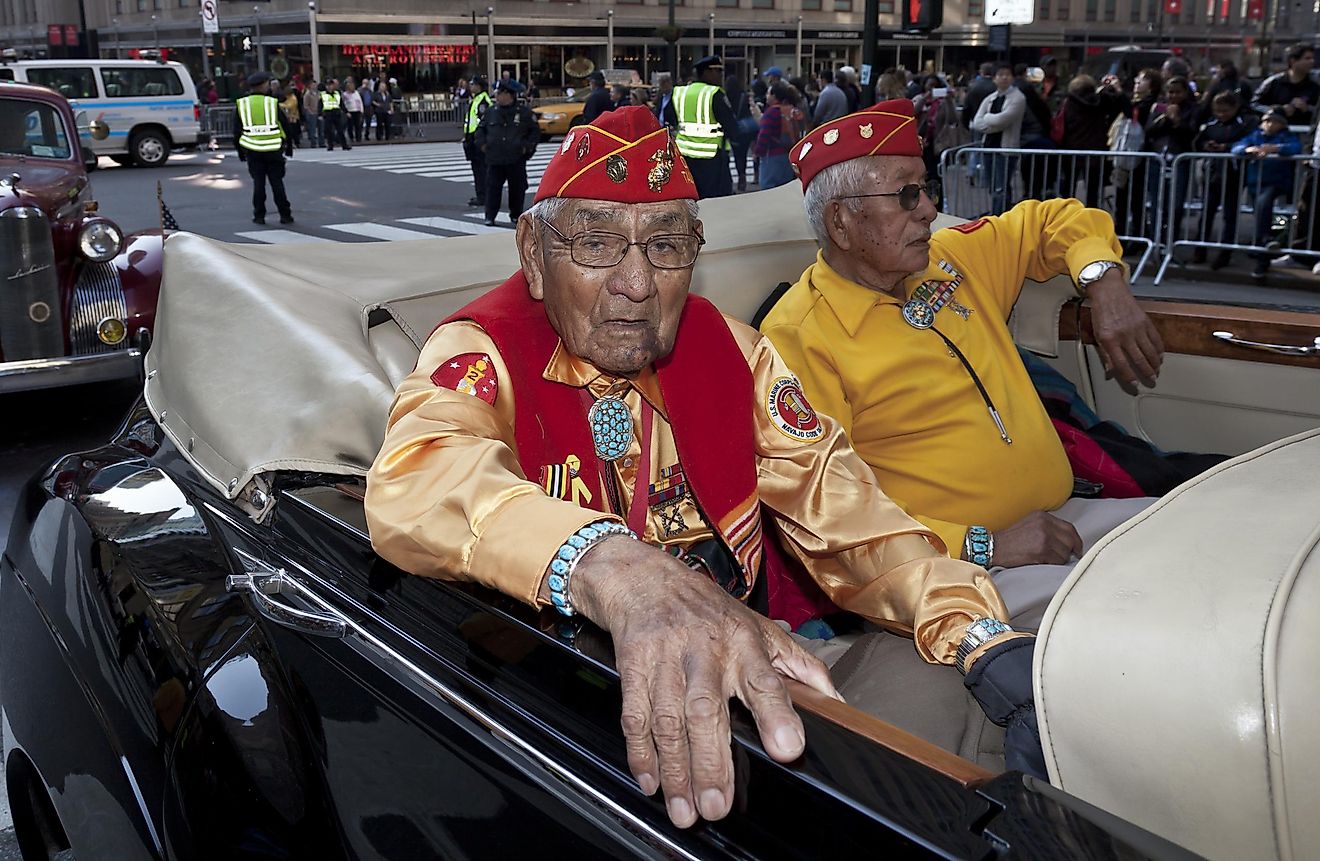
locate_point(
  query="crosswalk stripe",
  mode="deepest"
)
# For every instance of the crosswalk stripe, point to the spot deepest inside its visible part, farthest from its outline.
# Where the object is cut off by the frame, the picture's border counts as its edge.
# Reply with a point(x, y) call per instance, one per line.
point(455, 225)
point(280, 237)
point(379, 231)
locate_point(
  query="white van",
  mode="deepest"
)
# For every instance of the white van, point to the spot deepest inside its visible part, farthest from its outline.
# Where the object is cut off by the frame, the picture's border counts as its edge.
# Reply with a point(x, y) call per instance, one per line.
point(150, 106)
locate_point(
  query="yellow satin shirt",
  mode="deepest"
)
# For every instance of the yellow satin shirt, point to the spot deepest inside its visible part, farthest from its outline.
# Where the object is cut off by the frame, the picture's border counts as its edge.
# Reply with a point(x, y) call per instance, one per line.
point(904, 399)
point(447, 496)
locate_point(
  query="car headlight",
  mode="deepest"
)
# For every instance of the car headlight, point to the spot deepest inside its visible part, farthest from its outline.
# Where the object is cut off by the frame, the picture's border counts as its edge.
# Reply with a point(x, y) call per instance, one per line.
point(99, 240)
point(551, 117)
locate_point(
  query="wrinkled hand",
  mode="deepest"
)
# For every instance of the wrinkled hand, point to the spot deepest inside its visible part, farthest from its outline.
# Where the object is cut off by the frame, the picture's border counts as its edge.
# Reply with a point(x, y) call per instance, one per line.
point(1130, 346)
point(1000, 680)
point(1040, 538)
point(683, 647)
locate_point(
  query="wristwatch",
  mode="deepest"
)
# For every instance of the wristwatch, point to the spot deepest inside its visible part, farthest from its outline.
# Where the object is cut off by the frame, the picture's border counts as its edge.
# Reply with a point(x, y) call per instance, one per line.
point(978, 633)
point(1093, 272)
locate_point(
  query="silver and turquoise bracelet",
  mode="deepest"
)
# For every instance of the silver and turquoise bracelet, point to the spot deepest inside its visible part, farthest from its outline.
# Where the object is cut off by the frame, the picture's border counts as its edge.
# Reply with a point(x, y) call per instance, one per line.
point(570, 554)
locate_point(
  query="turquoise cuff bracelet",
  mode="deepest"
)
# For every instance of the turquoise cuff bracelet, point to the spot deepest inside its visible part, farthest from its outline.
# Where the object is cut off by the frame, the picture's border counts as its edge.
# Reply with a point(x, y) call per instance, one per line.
point(570, 553)
point(979, 546)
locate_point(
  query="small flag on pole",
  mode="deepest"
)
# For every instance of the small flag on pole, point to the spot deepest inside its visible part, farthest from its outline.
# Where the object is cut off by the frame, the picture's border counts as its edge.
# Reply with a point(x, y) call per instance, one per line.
point(167, 221)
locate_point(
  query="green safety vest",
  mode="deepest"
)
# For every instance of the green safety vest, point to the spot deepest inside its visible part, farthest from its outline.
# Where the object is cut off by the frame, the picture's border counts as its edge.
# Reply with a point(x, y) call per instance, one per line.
point(699, 135)
point(473, 117)
point(329, 100)
point(260, 119)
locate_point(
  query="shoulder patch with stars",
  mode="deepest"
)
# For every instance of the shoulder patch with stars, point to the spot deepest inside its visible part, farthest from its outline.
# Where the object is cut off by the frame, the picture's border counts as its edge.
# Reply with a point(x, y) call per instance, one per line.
point(790, 411)
point(469, 374)
point(969, 226)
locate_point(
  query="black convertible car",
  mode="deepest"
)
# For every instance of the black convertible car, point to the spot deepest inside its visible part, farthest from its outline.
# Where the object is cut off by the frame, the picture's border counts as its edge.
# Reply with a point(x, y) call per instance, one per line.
point(203, 658)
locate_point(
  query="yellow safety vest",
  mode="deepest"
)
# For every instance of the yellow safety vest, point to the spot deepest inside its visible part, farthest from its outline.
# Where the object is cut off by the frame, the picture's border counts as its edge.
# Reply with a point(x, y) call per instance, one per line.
point(260, 119)
point(329, 100)
point(474, 117)
point(699, 134)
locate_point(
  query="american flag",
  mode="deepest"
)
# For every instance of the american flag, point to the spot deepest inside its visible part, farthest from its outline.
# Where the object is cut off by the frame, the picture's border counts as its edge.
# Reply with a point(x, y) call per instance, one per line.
point(167, 221)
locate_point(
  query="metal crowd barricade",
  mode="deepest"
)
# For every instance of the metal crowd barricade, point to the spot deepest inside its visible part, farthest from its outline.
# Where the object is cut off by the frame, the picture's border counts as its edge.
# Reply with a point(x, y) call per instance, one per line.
point(218, 121)
point(1211, 192)
point(979, 181)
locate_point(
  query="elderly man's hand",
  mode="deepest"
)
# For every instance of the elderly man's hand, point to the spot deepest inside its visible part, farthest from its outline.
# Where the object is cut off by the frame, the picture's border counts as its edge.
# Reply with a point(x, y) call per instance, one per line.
point(683, 647)
point(1129, 344)
point(1040, 538)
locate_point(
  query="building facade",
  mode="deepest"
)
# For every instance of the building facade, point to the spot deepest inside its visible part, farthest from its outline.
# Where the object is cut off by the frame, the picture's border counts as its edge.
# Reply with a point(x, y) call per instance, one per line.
point(428, 45)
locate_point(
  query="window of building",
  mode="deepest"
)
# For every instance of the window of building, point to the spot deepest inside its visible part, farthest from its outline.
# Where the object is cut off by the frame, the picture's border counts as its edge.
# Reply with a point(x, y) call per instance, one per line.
point(119, 7)
point(1134, 11)
point(810, 5)
point(1065, 11)
point(1092, 10)
point(1111, 10)
point(1152, 9)
point(141, 81)
point(886, 7)
point(726, 3)
point(142, 5)
point(763, 4)
point(842, 5)
point(1043, 12)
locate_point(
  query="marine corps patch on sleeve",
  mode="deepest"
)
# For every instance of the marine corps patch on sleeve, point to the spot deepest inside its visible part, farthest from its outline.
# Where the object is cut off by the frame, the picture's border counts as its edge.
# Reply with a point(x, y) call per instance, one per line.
point(790, 411)
point(469, 374)
point(969, 226)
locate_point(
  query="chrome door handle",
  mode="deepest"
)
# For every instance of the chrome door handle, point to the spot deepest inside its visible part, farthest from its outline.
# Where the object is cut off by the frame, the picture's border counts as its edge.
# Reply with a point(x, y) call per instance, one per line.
point(266, 581)
point(1285, 349)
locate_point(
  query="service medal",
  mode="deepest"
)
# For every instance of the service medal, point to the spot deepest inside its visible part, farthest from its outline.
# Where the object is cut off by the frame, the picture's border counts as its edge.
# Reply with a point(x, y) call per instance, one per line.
point(918, 314)
point(611, 427)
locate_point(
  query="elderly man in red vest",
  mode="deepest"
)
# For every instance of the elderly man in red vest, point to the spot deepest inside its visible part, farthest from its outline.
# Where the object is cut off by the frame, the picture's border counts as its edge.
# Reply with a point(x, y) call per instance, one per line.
point(588, 436)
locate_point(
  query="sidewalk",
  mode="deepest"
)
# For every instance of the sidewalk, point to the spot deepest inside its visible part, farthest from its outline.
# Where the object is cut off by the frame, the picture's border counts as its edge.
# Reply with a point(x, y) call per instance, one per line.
point(1286, 287)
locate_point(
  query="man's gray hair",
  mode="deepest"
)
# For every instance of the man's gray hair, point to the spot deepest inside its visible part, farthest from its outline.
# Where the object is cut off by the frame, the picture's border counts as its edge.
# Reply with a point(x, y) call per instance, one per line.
point(552, 207)
point(835, 181)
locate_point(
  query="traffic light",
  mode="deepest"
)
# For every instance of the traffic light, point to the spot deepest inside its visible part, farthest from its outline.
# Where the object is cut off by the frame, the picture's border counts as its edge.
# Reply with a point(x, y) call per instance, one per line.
point(922, 15)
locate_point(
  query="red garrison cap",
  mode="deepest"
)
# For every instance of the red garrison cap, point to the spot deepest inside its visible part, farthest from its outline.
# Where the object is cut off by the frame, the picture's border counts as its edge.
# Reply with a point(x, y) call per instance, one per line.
point(889, 128)
point(625, 155)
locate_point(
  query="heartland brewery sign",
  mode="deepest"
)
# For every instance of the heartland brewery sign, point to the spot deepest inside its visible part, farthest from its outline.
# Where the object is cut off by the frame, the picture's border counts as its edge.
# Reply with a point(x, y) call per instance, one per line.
point(365, 54)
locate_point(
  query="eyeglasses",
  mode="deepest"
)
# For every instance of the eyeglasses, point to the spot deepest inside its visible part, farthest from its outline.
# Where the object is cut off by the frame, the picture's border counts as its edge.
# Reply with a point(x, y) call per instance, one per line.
point(909, 196)
point(600, 250)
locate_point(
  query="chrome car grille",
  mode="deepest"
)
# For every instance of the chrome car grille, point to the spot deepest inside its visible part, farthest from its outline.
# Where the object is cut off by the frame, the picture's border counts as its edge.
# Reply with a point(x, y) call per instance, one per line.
point(30, 322)
point(97, 295)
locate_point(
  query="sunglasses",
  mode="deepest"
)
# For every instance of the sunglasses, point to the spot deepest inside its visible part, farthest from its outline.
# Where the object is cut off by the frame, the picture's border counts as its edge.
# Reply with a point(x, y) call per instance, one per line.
point(909, 196)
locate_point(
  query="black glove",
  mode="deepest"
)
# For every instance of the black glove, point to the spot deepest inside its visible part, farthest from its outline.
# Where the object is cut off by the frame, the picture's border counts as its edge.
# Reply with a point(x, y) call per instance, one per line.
point(1001, 682)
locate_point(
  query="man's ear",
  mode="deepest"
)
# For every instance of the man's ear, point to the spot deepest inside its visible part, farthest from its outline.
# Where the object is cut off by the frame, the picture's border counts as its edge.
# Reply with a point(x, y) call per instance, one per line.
point(529, 255)
point(837, 223)
point(699, 228)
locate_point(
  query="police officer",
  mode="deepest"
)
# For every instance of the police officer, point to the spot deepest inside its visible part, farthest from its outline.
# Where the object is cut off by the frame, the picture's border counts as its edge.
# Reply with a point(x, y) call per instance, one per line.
point(332, 115)
point(507, 138)
point(477, 107)
point(706, 127)
point(262, 143)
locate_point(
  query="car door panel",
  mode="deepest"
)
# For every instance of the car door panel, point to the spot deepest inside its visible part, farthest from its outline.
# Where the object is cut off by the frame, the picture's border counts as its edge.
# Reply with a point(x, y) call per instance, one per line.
point(1211, 396)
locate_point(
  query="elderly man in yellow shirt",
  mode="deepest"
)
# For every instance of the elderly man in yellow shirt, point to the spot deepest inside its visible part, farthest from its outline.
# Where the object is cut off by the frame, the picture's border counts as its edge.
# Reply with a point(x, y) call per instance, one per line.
point(901, 336)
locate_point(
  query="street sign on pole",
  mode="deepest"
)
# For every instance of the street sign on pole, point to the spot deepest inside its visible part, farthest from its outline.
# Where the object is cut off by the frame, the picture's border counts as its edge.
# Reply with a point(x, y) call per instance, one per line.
point(210, 17)
point(1009, 12)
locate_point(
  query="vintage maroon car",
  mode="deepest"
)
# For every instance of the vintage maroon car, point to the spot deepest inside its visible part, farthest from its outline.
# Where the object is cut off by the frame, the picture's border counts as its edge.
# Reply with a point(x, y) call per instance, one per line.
point(78, 297)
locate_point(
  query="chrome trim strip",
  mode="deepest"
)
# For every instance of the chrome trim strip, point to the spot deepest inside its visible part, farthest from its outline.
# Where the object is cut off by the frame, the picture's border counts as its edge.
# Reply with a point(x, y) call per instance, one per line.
point(449, 695)
point(68, 370)
point(142, 806)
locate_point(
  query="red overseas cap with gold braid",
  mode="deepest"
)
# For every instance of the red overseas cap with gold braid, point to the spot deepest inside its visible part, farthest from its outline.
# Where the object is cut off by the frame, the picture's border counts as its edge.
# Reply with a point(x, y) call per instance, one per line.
point(889, 128)
point(625, 155)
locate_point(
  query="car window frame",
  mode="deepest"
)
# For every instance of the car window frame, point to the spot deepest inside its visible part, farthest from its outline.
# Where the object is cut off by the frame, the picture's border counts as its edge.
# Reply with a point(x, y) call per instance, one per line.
point(71, 145)
point(174, 73)
point(45, 70)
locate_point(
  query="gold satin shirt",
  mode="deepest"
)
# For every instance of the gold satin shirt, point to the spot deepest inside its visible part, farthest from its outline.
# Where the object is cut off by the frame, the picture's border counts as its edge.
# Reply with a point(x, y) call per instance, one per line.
point(448, 498)
point(905, 400)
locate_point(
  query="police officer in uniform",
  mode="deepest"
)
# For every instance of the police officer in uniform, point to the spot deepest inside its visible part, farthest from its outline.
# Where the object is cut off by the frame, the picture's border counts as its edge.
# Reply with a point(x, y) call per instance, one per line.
point(706, 127)
point(477, 107)
point(262, 143)
point(507, 138)
point(332, 114)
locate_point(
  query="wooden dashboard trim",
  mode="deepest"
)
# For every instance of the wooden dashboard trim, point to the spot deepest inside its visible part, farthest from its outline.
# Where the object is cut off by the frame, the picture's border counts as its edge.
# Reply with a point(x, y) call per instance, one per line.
point(1186, 328)
point(964, 772)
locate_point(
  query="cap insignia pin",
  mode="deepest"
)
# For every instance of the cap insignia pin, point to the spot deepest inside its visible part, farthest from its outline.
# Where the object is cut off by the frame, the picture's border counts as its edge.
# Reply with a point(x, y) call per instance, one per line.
point(661, 171)
point(568, 141)
point(866, 130)
point(830, 137)
point(583, 147)
point(616, 168)
point(806, 148)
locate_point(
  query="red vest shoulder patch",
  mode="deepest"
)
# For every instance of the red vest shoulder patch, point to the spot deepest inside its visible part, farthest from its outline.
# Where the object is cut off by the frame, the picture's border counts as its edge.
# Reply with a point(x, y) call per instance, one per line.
point(469, 374)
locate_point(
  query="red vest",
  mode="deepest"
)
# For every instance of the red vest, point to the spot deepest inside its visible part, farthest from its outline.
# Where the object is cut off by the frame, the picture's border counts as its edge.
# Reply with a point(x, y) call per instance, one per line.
point(712, 424)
